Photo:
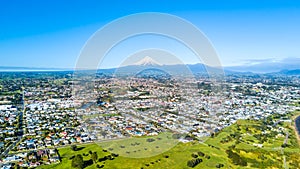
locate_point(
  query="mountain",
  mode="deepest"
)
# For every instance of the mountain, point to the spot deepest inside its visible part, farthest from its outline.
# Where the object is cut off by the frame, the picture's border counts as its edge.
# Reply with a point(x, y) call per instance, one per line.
point(288, 66)
point(173, 70)
point(147, 61)
point(290, 72)
point(267, 66)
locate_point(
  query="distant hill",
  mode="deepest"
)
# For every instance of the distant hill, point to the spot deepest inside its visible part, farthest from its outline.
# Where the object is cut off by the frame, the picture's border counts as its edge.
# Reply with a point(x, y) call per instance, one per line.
point(28, 69)
point(290, 66)
point(269, 66)
point(290, 72)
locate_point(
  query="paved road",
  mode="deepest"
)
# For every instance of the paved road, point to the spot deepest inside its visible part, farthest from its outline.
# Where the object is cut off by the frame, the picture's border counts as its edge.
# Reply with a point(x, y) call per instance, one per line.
point(10, 147)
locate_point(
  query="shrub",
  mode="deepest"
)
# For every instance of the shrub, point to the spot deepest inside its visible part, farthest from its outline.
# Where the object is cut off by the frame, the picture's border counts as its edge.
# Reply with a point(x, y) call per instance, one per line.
point(94, 157)
point(192, 163)
point(236, 159)
point(77, 162)
point(194, 155)
point(201, 154)
point(115, 155)
point(150, 140)
point(219, 165)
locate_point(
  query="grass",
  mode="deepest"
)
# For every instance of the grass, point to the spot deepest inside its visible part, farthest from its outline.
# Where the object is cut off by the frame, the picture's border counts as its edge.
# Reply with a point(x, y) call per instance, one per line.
point(165, 152)
point(66, 153)
point(141, 147)
point(177, 158)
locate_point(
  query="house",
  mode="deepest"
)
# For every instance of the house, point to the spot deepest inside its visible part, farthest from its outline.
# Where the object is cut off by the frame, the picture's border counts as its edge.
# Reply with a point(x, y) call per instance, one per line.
point(11, 158)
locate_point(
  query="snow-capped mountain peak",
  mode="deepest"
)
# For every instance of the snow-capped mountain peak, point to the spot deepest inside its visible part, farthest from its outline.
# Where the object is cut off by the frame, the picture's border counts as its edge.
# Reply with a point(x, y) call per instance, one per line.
point(147, 61)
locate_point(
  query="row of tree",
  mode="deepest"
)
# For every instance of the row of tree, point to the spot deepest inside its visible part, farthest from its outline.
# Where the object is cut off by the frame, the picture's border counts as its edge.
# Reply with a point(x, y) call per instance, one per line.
point(78, 162)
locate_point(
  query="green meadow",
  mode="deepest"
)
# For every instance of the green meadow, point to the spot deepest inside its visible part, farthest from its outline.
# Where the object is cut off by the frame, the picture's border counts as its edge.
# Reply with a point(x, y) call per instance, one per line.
point(234, 147)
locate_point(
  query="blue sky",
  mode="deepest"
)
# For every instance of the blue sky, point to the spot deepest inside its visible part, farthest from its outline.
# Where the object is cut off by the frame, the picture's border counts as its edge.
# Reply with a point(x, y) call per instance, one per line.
point(36, 33)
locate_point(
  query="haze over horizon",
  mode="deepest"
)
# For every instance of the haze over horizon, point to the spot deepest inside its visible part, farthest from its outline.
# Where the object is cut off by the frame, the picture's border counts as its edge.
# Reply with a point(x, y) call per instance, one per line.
point(51, 35)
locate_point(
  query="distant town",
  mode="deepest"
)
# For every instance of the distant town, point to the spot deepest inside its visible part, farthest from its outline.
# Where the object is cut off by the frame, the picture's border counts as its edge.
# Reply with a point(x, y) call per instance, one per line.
point(41, 112)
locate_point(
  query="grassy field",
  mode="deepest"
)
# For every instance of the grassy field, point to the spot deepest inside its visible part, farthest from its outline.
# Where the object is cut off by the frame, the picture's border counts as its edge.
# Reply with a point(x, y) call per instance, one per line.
point(233, 147)
point(141, 147)
point(177, 157)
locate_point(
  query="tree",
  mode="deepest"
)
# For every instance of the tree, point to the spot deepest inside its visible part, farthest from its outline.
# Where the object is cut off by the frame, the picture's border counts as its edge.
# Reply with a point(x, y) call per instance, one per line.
point(284, 145)
point(235, 158)
point(194, 155)
point(192, 163)
point(74, 147)
point(78, 162)
point(201, 154)
point(219, 165)
point(94, 157)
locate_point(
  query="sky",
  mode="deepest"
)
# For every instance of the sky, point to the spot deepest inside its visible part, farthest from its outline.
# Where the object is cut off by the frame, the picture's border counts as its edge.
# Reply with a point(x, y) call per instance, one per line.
point(51, 34)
